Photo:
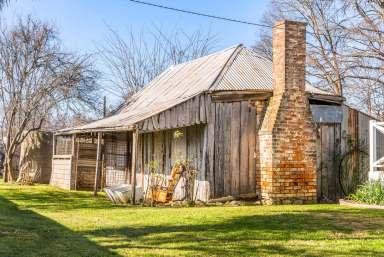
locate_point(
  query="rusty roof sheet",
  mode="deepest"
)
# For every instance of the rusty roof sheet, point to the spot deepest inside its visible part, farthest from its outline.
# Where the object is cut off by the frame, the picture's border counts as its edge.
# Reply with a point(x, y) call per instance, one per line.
point(234, 68)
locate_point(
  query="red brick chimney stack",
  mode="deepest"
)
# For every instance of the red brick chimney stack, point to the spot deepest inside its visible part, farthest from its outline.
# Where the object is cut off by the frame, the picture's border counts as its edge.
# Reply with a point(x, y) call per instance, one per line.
point(287, 136)
point(289, 44)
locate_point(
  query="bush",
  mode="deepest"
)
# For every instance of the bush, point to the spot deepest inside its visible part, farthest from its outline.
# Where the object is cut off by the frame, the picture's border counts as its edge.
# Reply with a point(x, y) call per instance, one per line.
point(370, 192)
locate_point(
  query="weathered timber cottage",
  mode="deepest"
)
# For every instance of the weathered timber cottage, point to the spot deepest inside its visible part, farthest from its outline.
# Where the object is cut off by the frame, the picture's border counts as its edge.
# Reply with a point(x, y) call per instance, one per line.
point(248, 124)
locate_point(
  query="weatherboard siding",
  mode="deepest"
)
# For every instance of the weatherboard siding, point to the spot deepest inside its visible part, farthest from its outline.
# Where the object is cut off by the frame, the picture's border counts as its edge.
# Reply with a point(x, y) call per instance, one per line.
point(191, 112)
point(219, 139)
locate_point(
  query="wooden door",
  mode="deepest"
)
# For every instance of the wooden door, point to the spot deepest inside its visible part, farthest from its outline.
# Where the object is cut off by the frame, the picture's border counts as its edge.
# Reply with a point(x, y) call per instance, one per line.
point(328, 187)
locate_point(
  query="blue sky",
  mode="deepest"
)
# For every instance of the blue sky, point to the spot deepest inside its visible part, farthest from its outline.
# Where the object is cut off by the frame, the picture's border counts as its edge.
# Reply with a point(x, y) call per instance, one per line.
point(83, 23)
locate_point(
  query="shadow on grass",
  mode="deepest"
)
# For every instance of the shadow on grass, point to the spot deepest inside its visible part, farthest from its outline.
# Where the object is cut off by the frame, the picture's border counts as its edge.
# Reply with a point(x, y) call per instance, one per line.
point(283, 234)
point(26, 233)
point(54, 199)
point(318, 230)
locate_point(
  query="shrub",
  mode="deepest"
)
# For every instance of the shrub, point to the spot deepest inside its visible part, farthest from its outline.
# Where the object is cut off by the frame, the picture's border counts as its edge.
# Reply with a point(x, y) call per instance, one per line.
point(370, 192)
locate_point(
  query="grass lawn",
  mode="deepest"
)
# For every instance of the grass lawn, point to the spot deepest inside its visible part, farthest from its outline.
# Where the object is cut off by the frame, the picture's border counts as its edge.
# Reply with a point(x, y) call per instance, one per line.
point(44, 221)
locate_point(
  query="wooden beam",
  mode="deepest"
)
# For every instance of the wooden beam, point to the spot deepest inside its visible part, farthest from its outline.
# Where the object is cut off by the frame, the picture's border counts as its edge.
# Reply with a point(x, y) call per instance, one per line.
point(327, 98)
point(96, 130)
point(133, 164)
point(98, 155)
point(235, 96)
point(141, 149)
point(76, 164)
point(54, 145)
point(73, 152)
point(53, 153)
point(73, 160)
point(102, 182)
point(127, 171)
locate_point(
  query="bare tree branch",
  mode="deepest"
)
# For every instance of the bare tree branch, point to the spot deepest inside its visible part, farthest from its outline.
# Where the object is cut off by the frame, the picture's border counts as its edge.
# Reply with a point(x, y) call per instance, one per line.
point(131, 61)
point(345, 45)
point(36, 79)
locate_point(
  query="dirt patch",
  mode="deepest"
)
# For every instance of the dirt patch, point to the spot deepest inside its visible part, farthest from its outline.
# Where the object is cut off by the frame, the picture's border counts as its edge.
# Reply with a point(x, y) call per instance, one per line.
point(360, 205)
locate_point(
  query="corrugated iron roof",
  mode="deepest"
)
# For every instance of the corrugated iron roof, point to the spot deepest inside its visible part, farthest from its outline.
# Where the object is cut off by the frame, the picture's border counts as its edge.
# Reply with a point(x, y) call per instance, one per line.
point(248, 71)
point(234, 68)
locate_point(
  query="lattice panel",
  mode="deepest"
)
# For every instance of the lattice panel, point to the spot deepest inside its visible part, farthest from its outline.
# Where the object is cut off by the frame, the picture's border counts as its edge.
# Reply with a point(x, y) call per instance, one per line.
point(63, 145)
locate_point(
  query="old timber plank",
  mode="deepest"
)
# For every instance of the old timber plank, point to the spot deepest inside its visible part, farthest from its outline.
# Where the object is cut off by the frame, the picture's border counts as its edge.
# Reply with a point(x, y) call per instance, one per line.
point(235, 149)
point(203, 117)
point(168, 119)
point(211, 110)
point(244, 151)
point(319, 161)
point(325, 138)
point(227, 147)
point(179, 110)
point(337, 152)
point(155, 122)
point(331, 163)
point(150, 125)
point(158, 150)
point(252, 149)
point(162, 120)
point(204, 162)
point(197, 109)
point(219, 154)
point(173, 117)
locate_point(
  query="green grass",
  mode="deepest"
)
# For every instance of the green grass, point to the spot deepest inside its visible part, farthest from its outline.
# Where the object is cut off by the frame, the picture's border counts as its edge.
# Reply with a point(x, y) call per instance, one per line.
point(44, 221)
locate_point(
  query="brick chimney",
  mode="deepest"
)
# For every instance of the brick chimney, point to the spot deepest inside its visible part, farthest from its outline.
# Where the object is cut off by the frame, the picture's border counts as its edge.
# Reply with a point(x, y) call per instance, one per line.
point(287, 135)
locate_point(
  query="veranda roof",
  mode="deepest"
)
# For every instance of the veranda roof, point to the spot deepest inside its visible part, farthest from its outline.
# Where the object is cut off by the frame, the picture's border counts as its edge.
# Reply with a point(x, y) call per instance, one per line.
point(234, 68)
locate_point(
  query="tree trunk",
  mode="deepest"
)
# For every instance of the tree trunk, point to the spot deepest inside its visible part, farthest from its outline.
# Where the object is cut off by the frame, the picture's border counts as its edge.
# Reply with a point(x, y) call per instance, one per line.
point(8, 169)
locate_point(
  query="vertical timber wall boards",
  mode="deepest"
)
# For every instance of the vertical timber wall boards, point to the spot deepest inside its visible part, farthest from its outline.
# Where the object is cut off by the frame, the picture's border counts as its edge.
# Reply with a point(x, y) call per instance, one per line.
point(194, 118)
point(342, 152)
point(191, 112)
point(225, 150)
point(160, 150)
point(328, 157)
point(236, 159)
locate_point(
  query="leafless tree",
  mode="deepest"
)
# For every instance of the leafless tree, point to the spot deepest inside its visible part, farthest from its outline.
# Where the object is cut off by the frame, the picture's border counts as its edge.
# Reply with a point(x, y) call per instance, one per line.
point(264, 45)
point(134, 60)
point(37, 77)
point(3, 3)
point(326, 41)
point(366, 52)
point(345, 47)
